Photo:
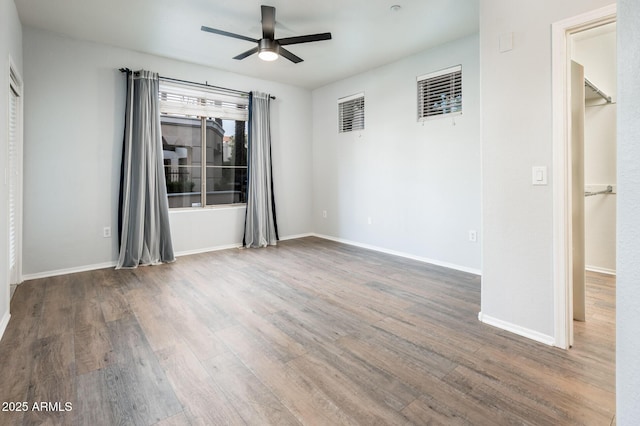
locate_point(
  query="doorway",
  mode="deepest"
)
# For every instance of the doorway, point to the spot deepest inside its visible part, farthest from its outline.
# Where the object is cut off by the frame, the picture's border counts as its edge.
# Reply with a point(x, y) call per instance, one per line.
point(595, 50)
point(569, 192)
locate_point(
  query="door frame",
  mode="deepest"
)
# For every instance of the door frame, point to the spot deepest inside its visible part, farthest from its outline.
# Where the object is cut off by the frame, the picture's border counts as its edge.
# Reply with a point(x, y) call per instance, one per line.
point(561, 32)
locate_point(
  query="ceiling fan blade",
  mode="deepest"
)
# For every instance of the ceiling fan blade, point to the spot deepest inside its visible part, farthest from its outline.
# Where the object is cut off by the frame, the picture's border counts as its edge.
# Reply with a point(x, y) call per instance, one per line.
point(304, 39)
point(228, 34)
point(247, 53)
point(268, 22)
point(290, 56)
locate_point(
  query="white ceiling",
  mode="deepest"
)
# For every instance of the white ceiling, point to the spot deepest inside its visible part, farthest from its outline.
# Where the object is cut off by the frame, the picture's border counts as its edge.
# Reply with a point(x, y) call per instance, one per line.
point(366, 33)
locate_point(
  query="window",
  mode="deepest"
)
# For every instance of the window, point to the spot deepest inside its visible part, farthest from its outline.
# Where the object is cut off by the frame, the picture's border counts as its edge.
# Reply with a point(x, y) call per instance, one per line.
point(204, 143)
point(440, 93)
point(351, 113)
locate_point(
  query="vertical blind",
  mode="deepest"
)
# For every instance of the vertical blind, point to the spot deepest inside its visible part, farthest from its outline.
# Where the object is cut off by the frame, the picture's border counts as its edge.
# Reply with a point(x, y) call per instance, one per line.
point(14, 174)
point(351, 113)
point(440, 93)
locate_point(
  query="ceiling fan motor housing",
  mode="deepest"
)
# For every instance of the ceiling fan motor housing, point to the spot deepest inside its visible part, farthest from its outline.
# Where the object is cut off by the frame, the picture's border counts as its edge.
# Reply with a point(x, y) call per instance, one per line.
point(269, 45)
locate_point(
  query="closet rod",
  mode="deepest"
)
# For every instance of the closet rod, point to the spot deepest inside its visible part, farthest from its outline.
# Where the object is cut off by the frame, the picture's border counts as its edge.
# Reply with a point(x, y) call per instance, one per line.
point(597, 91)
point(609, 190)
point(205, 84)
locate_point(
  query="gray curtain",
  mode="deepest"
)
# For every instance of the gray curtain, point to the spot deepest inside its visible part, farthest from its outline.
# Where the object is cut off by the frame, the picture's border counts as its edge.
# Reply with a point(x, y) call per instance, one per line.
point(260, 222)
point(145, 237)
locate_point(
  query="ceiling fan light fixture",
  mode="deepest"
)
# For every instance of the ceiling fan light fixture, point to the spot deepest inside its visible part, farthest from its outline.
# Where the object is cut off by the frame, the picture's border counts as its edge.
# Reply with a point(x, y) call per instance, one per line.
point(268, 55)
point(268, 50)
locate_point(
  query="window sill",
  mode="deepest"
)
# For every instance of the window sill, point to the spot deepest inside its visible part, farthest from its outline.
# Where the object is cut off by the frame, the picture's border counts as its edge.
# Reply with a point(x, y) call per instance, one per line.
point(207, 208)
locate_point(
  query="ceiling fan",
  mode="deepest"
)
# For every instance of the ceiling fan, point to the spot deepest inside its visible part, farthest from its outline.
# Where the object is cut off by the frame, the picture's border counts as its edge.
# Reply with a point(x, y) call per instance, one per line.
point(268, 47)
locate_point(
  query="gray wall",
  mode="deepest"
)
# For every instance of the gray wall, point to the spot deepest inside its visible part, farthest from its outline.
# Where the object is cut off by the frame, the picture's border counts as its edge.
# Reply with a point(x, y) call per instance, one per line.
point(517, 250)
point(419, 183)
point(74, 119)
point(10, 46)
point(628, 266)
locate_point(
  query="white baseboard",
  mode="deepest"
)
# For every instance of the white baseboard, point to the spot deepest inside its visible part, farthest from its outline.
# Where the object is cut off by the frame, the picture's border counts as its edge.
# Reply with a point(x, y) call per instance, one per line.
point(4, 323)
point(85, 268)
point(234, 246)
point(516, 329)
point(295, 237)
point(601, 270)
point(208, 249)
point(402, 254)
point(47, 274)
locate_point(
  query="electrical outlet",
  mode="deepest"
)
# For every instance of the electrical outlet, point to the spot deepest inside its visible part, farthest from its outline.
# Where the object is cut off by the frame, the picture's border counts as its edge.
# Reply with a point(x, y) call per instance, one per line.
point(369, 220)
point(324, 214)
point(473, 236)
point(106, 232)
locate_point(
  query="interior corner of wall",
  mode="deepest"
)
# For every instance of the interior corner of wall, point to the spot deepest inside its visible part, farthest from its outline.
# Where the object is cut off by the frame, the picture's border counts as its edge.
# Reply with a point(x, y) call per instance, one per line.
point(4, 322)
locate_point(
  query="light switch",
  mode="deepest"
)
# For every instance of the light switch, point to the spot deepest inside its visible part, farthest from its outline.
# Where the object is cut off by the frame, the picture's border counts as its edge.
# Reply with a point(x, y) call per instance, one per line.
point(539, 175)
point(506, 42)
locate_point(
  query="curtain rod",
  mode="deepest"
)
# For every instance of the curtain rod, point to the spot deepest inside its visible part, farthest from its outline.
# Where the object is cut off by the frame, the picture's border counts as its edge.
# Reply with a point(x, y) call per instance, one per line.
point(205, 84)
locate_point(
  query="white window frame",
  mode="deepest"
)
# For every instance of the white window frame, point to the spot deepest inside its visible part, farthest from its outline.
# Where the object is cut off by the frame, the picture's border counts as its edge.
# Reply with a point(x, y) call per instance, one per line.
point(456, 107)
point(356, 123)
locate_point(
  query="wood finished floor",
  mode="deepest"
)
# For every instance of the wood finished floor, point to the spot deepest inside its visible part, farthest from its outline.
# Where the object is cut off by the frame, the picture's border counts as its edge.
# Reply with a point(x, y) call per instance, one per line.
point(308, 332)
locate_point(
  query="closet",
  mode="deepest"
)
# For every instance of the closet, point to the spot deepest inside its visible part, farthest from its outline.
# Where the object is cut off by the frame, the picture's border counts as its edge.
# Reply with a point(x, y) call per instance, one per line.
point(596, 51)
point(594, 198)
